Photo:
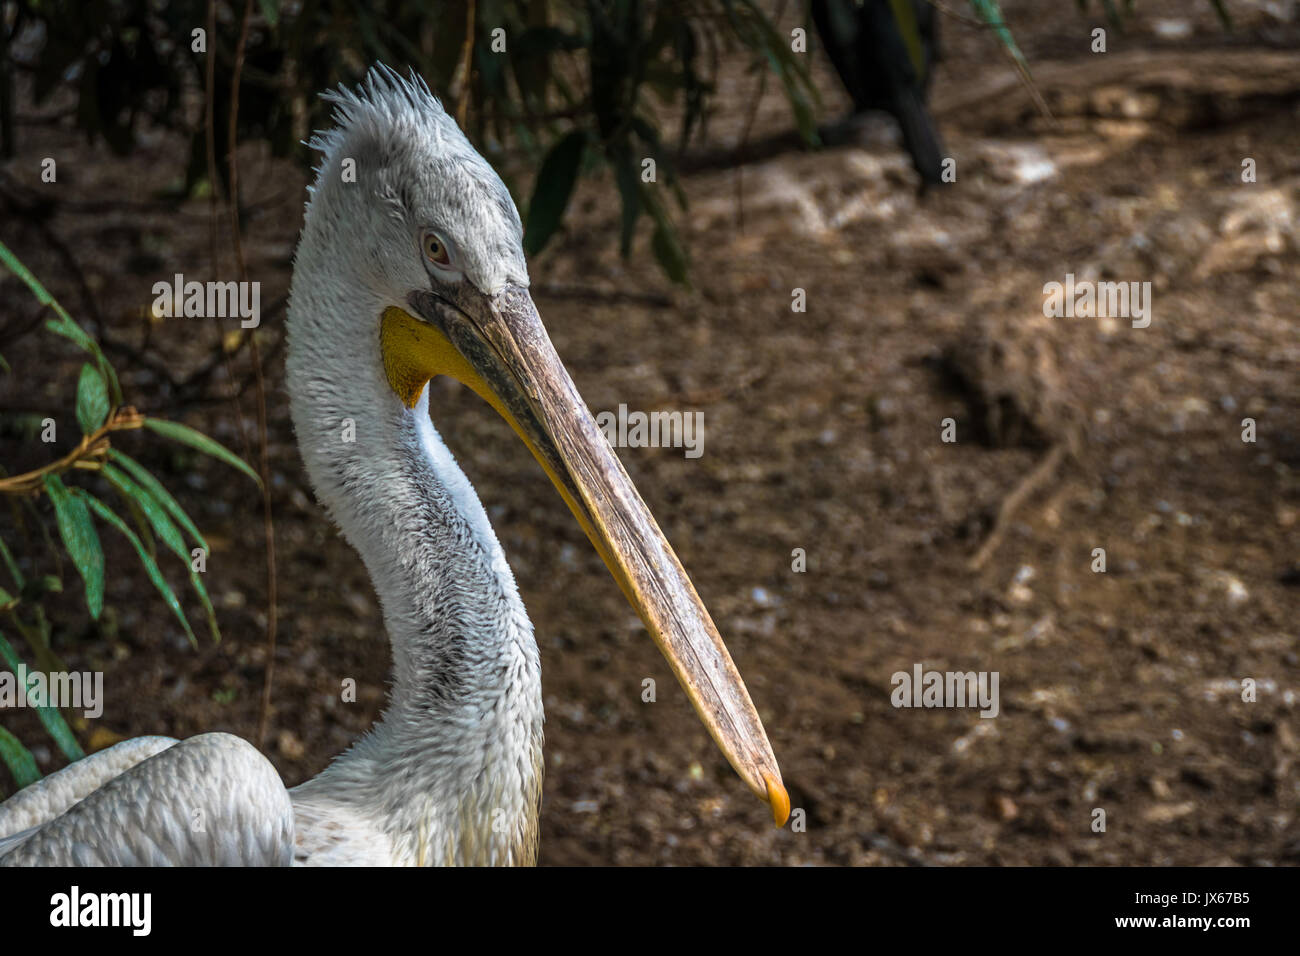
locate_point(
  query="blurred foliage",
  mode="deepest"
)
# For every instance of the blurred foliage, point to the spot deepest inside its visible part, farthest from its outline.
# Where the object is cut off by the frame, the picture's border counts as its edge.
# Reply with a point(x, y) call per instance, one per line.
point(155, 516)
point(579, 84)
point(991, 14)
point(575, 85)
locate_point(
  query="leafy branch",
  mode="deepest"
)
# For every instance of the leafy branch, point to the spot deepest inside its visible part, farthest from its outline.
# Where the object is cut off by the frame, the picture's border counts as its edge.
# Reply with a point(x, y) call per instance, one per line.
point(156, 514)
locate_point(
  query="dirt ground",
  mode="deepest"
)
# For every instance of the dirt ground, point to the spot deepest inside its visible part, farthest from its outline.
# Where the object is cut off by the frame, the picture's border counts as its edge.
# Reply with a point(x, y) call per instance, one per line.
point(1120, 690)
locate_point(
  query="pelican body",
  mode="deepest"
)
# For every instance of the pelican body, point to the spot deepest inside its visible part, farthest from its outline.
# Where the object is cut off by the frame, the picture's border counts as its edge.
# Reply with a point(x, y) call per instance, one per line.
point(410, 265)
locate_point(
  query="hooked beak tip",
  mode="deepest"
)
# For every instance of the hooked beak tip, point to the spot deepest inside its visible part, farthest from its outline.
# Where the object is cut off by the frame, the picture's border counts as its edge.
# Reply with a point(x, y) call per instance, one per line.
point(779, 800)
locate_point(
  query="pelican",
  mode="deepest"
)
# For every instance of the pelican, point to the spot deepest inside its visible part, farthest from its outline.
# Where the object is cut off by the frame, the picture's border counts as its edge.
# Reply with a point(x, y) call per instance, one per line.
point(409, 269)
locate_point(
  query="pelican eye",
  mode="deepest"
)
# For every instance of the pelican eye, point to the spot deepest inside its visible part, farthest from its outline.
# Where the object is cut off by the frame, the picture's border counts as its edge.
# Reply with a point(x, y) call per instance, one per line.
point(436, 250)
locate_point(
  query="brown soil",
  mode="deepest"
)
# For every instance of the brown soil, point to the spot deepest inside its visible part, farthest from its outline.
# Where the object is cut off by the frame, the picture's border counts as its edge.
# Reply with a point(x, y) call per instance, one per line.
point(1119, 691)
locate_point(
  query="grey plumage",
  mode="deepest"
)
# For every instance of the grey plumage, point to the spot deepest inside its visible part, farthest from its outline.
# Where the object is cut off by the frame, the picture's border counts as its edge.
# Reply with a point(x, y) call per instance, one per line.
point(212, 800)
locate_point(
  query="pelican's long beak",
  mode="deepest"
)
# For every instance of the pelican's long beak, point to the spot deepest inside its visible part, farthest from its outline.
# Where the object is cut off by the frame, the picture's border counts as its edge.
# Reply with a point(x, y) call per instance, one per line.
point(498, 347)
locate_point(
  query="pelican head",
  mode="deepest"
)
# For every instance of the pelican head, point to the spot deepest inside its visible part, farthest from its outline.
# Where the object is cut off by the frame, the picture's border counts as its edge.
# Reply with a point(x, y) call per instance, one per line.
point(411, 266)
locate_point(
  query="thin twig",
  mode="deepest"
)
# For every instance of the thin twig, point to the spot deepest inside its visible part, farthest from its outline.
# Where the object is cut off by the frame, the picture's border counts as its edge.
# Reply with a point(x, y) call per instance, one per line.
point(89, 454)
point(1012, 502)
point(210, 133)
point(463, 68)
point(256, 355)
point(959, 17)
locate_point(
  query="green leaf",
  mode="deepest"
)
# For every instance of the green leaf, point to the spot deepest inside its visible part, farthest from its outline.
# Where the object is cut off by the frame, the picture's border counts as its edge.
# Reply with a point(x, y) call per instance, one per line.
point(53, 720)
point(150, 565)
point(72, 331)
point(758, 33)
point(201, 442)
point(81, 540)
point(155, 488)
point(57, 727)
point(42, 296)
point(553, 189)
point(664, 243)
point(625, 175)
point(64, 324)
point(69, 329)
point(991, 13)
point(804, 116)
point(142, 526)
point(153, 510)
point(11, 564)
point(669, 252)
point(35, 589)
point(270, 11)
point(158, 517)
point(7, 600)
point(92, 399)
point(209, 611)
point(18, 759)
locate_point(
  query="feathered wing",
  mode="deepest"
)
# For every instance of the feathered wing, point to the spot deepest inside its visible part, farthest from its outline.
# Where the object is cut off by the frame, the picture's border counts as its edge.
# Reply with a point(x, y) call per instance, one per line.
point(44, 800)
point(211, 800)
